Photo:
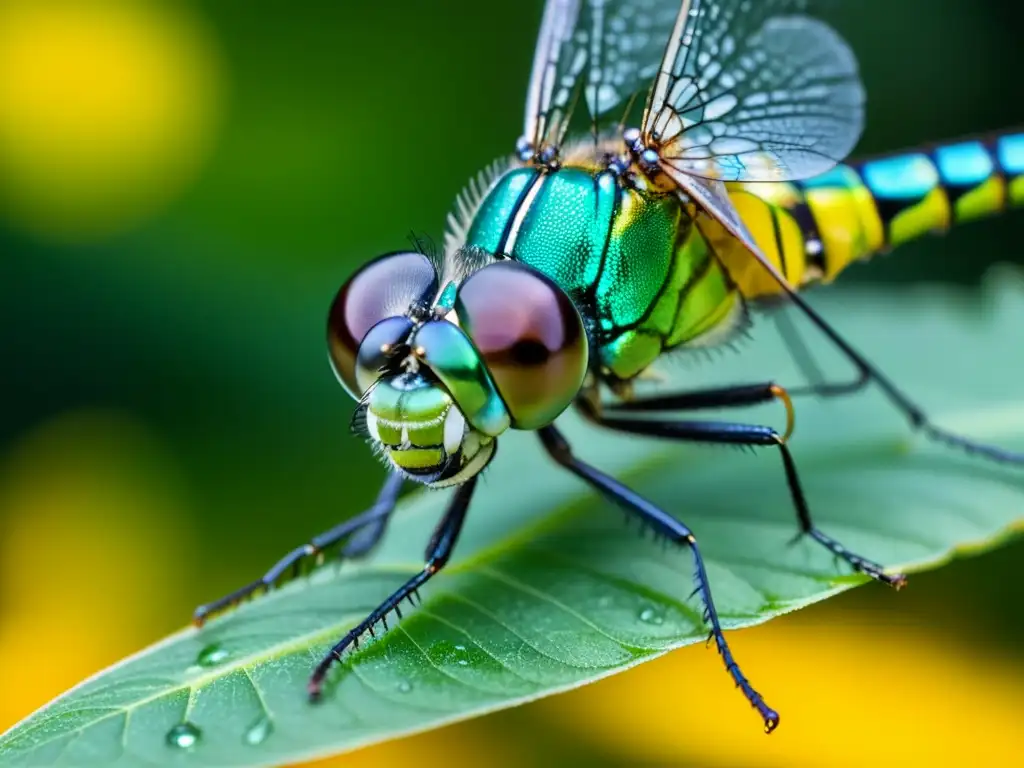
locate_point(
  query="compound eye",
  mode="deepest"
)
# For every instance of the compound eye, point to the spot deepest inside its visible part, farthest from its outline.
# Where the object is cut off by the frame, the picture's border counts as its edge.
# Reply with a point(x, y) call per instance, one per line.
point(386, 287)
point(530, 336)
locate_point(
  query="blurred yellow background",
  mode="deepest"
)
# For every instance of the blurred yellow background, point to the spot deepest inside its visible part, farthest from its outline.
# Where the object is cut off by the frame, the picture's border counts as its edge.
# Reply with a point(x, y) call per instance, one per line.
point(183, 185)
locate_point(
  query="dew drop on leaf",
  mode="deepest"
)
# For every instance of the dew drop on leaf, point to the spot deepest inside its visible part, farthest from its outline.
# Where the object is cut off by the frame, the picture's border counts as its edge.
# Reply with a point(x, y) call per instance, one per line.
point(184, 736)
point(258, 732)
point(404, 687)
point(450, 653)
point(212, 655)
point(651, 616)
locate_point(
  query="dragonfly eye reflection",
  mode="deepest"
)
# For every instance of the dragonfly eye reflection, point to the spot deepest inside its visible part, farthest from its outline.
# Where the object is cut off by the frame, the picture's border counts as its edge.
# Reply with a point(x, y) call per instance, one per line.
point(530, 337)
point(387, 287)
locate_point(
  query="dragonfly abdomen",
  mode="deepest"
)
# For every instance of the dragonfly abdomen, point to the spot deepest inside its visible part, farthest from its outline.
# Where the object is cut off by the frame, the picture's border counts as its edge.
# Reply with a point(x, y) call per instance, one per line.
point(932, 189)
point(812, 230)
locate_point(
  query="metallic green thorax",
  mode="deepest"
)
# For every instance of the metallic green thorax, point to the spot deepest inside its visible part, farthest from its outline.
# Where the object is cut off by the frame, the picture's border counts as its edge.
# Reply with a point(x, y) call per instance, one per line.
point(642, 277)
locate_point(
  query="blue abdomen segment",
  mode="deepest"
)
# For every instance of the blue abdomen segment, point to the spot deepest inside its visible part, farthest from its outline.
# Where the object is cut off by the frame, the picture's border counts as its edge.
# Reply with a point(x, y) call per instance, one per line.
point(964, 165)
point(930, 190)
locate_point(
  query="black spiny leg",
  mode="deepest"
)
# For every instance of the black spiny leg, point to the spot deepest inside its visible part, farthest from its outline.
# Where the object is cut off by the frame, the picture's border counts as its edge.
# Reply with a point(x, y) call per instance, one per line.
point(662, 522)
point(362, 531)
point(913, 413)
point(817, 385)
point(734, 434)
point(438, 551)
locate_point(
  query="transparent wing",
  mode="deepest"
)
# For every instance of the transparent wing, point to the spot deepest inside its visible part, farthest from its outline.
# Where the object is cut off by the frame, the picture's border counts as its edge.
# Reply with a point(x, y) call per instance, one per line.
point(601, 51)
point(713, 200)
point(751, 90)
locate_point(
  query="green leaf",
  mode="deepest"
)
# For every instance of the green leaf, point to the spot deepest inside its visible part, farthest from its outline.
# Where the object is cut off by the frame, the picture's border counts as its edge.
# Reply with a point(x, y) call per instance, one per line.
point(548, 590)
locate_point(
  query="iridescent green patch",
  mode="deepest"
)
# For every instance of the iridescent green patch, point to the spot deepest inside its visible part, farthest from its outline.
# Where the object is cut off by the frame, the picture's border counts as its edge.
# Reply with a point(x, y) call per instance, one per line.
point(690, 258)
point(708, 300)
point(638, 258)
point(451, 356)
point(631, 353)
point(564, 232)
point(498, 208)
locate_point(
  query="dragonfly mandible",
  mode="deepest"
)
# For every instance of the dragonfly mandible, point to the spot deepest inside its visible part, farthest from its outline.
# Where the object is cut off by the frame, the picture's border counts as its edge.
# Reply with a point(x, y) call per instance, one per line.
point(571, 266)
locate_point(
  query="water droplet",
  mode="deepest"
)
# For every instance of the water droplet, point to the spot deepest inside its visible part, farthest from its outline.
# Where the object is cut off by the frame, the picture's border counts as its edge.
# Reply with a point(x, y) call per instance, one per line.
point(450, 653)
point(258, 732)
point(651, 616)
point(404, 687)
point(604, 602)
point(212, 655)
point(184, 736)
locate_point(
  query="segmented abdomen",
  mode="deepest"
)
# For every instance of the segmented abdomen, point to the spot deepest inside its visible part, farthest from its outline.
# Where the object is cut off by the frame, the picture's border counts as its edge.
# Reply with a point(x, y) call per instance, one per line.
point(814, 229)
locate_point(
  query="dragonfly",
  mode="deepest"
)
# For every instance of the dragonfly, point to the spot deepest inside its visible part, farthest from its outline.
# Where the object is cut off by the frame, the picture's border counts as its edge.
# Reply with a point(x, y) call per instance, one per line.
point(681, 165)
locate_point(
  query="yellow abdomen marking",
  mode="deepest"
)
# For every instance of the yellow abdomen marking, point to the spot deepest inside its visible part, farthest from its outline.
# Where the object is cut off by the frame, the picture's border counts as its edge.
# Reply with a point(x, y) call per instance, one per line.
point(777, 235)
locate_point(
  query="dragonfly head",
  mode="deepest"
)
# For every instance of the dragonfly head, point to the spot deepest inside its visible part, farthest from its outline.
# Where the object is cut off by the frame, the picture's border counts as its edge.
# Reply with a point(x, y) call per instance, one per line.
point(414, 421)
point(441, 368)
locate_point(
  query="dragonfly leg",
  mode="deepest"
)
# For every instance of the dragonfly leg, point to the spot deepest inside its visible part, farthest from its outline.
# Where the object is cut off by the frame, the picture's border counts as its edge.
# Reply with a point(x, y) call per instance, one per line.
point(665, 524)
point(818, 385)
point(729, 433)
point(361, 531)
point(913, 413)
point(736, 396)
point(442, 542)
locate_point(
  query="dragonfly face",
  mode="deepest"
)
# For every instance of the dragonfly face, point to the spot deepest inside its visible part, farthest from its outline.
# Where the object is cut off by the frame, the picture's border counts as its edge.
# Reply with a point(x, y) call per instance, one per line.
point(442, 368)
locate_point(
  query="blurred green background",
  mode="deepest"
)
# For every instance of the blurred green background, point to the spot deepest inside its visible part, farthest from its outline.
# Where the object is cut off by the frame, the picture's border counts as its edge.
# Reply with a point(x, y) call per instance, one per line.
point(184, 185)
